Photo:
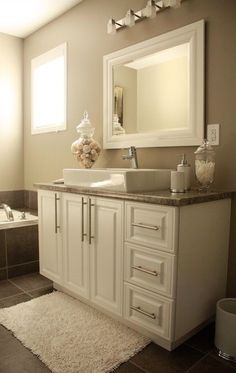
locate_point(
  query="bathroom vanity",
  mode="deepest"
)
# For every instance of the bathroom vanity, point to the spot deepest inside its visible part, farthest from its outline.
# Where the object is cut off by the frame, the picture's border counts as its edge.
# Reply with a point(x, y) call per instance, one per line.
point(155, 261)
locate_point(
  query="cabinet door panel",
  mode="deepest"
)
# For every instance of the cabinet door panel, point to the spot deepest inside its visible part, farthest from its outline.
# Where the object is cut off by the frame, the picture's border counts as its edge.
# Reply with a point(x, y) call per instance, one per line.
point(106, 254)
point(50, 250)
point(75, 250)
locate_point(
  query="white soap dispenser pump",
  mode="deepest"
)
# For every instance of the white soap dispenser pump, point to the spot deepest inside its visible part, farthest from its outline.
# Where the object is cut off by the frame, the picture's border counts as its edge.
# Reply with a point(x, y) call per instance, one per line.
point(186, 168)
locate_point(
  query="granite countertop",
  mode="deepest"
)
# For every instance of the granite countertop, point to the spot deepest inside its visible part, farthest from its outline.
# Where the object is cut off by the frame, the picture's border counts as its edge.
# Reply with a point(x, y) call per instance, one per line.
point(160, 197)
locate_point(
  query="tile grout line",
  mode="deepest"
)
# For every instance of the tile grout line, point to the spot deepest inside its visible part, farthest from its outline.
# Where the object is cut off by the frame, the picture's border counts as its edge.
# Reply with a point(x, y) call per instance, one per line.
point(196, 363)
point(137, 366)
point(27, 291)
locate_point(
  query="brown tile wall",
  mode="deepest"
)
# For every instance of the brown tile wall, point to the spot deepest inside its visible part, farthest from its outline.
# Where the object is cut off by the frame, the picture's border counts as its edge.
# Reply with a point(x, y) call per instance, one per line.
point(19, 252)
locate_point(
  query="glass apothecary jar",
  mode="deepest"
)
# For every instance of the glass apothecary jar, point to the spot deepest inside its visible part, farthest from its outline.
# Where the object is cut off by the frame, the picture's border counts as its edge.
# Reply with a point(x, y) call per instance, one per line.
point(205, 165)
point(86, 150)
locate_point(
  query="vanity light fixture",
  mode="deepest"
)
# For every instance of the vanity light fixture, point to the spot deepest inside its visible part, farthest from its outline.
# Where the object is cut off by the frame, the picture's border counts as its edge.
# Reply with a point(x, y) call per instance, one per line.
point(111, 26)
point(150, 11)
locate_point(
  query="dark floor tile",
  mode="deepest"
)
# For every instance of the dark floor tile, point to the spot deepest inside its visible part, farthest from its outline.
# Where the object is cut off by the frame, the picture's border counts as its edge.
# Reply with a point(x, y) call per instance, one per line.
point(228, 363)
point(7, 289)
point(2, 249)
point(39, 292)
point(22, 245)
point(210, 365)
point(128, 368)
point(155, 359)
point(12, 301)
point(31, 282)
point(3, 274)
point(21, 360)
point(204, 340)
point(8, 344)
point(23, 269)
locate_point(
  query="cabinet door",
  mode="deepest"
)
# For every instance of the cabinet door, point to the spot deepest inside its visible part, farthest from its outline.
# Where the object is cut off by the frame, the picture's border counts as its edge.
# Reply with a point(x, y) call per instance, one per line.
point(75, 244)
point(50, 248)
point(106, 253)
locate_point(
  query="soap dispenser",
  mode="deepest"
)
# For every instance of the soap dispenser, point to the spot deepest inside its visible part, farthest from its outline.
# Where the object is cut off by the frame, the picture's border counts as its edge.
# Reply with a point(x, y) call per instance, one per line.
point(186, 168)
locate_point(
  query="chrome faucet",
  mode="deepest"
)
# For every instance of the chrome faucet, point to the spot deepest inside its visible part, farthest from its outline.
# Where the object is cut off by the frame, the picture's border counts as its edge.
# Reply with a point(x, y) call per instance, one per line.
point(132, 156)
point(8, 211)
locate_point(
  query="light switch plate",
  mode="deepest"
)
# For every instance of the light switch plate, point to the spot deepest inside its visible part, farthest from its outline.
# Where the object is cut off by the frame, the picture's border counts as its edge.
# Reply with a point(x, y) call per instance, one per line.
point(213, 134)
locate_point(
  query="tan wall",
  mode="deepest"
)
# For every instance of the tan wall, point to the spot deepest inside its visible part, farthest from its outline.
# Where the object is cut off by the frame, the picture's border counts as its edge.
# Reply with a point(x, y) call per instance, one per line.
point(11, 130)
point(84, 28)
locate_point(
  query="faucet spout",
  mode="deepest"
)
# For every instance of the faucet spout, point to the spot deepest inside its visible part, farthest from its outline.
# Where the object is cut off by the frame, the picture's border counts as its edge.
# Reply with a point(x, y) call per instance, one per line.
point(8, 211)
point(132, 156)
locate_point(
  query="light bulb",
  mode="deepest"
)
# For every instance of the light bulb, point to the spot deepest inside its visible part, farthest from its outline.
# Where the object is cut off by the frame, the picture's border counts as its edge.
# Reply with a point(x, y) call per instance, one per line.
point(130, 18)
point(150, 10)
point(111, 27)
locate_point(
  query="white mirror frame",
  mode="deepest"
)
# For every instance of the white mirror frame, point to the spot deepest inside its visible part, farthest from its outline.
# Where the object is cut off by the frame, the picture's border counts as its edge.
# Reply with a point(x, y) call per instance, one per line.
point(193, 135)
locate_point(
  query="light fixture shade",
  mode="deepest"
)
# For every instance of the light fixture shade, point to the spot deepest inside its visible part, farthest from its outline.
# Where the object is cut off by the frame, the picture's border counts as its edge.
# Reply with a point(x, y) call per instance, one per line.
point(150, 10)
point(111, 27)
point(130, 18)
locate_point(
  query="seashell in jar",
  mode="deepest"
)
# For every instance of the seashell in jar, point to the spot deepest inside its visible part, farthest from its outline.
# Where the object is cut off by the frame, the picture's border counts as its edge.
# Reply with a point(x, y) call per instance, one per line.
point(86, 149)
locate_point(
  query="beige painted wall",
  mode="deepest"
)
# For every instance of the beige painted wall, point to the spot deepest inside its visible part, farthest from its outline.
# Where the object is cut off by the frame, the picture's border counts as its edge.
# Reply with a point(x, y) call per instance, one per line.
point(84, 28)
point(11, 129)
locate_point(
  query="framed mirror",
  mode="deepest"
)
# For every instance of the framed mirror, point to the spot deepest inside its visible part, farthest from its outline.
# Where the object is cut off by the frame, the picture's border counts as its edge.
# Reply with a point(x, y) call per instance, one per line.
point(153, 92)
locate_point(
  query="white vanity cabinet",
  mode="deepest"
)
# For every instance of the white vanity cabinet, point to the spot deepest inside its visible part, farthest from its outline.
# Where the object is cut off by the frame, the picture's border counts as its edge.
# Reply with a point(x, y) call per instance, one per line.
point(159, 269)
point(90, 238)
point(175, 267)
point(50, 244)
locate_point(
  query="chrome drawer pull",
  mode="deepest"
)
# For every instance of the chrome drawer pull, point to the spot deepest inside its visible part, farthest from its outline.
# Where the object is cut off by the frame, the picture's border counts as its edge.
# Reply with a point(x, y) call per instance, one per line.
point(83, 234)
point(139, 268)
point(141, 225)
point(139, 309)
point(56, 222)
point(90, 204)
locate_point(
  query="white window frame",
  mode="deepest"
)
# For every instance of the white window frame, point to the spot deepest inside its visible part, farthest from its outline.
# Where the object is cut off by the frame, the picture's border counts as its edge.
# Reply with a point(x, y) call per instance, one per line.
point(60, 50)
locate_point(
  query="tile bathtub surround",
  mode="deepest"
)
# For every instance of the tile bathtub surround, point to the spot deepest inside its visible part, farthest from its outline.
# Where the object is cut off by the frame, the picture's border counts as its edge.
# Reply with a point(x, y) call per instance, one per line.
point(13, 198)
point(19, 252)
point(31, 199)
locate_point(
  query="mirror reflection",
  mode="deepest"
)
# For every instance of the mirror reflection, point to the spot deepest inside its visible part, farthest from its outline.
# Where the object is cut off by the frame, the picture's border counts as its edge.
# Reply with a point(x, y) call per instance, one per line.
point(152, 93)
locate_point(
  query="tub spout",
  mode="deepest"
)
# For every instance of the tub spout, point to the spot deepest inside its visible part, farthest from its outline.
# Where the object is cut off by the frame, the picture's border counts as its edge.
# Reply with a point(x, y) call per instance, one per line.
point(8, 211)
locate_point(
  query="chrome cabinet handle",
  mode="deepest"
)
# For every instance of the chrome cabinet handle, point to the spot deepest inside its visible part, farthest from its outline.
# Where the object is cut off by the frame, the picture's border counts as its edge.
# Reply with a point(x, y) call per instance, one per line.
point(142, 269)
point(56, 222)
point(83, 234)
point(141, 225)
point(90, 220)
point(145, 313)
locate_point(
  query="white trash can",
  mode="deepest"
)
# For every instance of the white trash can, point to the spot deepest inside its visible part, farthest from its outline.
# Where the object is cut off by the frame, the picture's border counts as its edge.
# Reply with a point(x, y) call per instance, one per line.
point(225, 333)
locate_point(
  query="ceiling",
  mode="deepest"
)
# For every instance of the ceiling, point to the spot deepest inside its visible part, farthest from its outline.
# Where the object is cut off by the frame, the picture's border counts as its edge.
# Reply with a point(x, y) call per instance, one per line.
point(22, 17)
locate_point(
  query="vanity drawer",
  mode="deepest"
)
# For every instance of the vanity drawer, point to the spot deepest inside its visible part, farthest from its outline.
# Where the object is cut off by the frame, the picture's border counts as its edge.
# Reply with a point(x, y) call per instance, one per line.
point(154, 226)
point(151, 269)
point(148, 310)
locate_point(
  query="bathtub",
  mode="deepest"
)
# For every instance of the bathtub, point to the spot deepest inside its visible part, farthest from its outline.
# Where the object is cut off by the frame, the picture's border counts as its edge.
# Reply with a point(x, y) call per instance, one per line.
point(18, 220)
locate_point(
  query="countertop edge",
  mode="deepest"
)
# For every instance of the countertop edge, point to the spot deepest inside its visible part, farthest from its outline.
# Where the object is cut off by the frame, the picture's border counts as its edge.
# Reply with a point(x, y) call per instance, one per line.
point(154, 197)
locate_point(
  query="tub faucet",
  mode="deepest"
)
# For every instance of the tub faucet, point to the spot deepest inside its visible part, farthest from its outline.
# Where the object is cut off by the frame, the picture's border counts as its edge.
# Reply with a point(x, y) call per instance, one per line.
point(132, 156)
point(8, 211)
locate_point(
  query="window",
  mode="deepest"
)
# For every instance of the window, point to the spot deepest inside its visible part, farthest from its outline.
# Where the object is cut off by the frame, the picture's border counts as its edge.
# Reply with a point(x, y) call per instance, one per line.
point(48, 91)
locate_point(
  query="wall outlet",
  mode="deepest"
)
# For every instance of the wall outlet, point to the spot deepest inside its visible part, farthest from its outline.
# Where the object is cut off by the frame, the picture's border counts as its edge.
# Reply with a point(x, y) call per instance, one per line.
point(213, 134)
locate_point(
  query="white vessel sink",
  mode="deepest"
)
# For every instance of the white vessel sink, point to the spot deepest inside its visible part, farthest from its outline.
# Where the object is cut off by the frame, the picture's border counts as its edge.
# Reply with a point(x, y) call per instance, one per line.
point(118, 179)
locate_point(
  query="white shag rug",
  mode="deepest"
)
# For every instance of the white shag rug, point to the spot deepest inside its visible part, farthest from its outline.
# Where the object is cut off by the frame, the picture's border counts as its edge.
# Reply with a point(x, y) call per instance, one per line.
point(69, 336)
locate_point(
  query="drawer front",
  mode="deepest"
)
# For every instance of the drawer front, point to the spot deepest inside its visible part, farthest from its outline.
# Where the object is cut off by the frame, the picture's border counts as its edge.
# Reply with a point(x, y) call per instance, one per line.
point(154, 226)
point(151, 269)
point(149, 311)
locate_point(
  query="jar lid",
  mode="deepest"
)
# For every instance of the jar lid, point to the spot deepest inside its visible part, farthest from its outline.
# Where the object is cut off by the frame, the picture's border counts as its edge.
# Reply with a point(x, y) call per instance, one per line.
point(85, 125)
point(204, 147)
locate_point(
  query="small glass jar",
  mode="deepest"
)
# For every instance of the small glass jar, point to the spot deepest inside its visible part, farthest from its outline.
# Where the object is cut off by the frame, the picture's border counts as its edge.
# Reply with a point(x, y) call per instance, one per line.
point(86, 150)
point(205, 165)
